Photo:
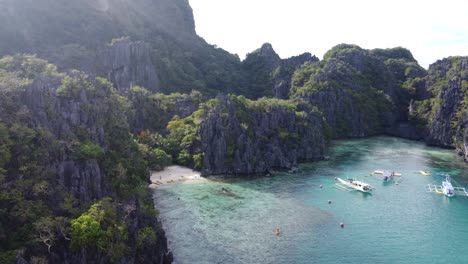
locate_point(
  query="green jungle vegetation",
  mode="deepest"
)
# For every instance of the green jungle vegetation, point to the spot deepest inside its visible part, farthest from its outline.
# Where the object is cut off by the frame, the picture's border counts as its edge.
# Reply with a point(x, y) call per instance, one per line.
point(58, 106)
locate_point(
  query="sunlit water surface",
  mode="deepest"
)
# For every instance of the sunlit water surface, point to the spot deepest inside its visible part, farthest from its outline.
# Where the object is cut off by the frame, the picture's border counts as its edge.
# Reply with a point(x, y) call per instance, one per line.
point(396, 224)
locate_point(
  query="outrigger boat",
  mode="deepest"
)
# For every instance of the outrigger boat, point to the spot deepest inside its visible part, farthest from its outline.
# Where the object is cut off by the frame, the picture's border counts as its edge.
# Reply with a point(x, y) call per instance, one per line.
point(384, 172)
point(388, 176)
point(352, 184)
point(447, 188)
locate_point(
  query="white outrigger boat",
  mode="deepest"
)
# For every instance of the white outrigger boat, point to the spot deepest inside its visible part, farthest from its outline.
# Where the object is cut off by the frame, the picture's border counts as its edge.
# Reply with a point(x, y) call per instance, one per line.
point(352, 184)
point(447, 188)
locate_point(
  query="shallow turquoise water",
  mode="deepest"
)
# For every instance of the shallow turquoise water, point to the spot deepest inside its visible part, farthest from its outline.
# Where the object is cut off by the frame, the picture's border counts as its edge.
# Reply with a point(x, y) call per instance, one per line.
point(396, 224)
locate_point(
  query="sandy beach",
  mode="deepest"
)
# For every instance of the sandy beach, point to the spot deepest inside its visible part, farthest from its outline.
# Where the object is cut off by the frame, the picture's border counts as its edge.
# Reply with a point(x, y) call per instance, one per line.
point(173, 174)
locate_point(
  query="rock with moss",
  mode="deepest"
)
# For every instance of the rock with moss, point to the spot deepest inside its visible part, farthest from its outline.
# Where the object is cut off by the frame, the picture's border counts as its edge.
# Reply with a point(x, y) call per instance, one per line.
point(153, 111)
point(128, 64)
point(461, 138)
point(268, 74)
point(443, 114)
point(441, 111)
point(244, 137)
point(360, 92)
point(65, 144)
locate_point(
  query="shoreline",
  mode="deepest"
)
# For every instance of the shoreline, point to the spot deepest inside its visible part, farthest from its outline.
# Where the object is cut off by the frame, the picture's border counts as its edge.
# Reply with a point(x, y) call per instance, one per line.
point(173, 174)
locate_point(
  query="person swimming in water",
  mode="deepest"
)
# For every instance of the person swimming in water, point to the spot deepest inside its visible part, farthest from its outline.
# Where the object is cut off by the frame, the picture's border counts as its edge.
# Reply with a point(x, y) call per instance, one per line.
point(278, 231)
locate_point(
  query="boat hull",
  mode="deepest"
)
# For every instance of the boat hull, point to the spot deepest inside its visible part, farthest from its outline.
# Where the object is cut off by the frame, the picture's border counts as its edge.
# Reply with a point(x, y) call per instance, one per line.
point(357, 185)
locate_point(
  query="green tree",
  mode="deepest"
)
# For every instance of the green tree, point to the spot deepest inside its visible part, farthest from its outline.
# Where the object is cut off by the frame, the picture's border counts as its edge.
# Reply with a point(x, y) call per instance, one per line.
point(100, 227)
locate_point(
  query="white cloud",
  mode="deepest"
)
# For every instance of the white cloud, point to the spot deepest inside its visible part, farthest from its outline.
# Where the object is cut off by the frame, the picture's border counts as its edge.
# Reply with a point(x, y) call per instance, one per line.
point(430, 29)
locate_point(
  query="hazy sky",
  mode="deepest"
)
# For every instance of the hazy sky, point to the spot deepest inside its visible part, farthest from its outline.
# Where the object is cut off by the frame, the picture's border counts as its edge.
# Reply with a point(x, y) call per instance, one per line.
point(431, 29)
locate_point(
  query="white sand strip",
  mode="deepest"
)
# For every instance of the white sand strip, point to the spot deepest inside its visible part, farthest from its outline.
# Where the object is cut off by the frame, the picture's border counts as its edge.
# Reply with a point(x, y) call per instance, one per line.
point(173, 174)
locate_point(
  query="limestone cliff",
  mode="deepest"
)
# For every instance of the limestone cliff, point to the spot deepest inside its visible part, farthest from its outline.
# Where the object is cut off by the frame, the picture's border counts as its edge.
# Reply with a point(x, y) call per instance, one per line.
point(461, 138)
point(163, 52)
point(243, 137)
point(443, 114)
point(68, 146)
point(360, 92)
point(128, 64)
point(268, 74)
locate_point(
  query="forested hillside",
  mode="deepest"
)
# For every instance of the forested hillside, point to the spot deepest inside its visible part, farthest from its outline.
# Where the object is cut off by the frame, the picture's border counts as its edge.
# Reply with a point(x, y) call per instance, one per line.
point(96, 93)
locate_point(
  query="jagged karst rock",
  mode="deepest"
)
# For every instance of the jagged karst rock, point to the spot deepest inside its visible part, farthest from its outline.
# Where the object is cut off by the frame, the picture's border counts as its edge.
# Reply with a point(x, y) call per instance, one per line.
point(248, 141)
point(128, 63)
point(268, 74)
point(360, 92)
point(62, 118)
point(153, 112)
point(155, 252)
point(461, 138)
point(446, 80)
point(282, 76)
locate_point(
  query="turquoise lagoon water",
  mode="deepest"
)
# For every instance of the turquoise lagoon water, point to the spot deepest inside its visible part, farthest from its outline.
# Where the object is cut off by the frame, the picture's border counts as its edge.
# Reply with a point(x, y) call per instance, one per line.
point(396, 224)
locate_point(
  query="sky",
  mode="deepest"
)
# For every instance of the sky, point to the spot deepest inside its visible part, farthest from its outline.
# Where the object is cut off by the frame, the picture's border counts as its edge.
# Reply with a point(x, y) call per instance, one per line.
point(430, 29)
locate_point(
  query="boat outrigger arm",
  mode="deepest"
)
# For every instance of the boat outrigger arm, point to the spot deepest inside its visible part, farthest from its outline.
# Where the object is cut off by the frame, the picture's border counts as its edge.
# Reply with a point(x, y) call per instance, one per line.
point(446, 189)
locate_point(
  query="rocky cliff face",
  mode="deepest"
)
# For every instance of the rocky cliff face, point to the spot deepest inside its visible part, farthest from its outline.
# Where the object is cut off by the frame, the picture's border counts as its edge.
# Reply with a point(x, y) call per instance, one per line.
point(447, 82)
point(283, 74)
point(441, 112)
point(26, 25)
point(154, 111)
point(243, 137)
point(269, 75)
point(63, 117)
point(360, 92)
point(128, 63)
point(461, 138)
point(76, 35)
point(68, 146)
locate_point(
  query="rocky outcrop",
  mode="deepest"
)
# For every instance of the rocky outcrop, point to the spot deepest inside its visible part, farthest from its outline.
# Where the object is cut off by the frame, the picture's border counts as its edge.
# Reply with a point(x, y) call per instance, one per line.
point(76, 35)
point(152, 252)
point(269, 75)
point(64, 125)
point(360, 92)
point(461, 138)
point(154, 111)
point(89, 23)
point(241, 137)
point(128, 63)
point(84, 179)
point(282, 76)
point(447, 82)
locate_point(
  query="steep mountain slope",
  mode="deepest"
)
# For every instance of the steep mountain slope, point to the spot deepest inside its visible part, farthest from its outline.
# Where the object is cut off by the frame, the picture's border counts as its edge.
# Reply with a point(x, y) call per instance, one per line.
point(360, 92)
point(65, 146)
point(268, 74)
point(443, 111)
point(161, 40)
point(240, 136)
point(75, 148)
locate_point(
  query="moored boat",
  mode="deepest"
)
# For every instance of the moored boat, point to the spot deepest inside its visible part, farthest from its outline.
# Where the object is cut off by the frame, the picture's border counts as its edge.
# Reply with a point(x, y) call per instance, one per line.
point(384, 172)
point(358, 185)
point(447, 187)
